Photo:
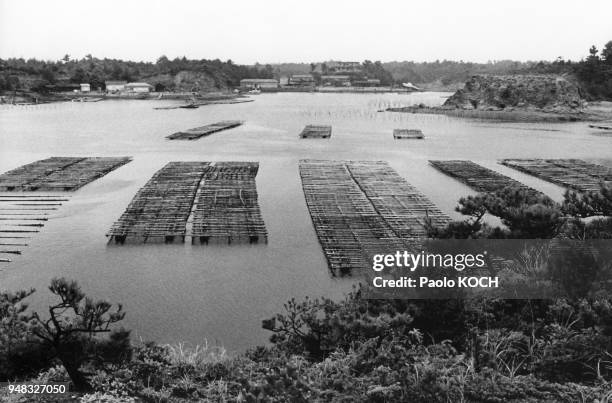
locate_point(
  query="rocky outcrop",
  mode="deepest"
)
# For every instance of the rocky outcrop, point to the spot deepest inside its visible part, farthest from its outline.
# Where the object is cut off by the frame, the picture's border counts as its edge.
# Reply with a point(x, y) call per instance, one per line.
point(546, 93)
point(189, 81)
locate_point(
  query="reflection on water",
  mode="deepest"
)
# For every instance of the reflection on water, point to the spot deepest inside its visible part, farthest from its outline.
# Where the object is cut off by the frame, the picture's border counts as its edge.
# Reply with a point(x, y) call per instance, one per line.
point(188, 293)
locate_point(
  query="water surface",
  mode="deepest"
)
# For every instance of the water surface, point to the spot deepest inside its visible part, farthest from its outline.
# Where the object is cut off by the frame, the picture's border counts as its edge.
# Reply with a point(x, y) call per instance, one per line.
point(188, 293)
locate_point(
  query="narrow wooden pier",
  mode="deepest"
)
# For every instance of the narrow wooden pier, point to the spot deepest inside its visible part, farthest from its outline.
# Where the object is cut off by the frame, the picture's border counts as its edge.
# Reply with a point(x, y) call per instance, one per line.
point(572, 173)
point(226, 208)
point(198, 132)
point(59, 173)
point(478, 177)
point(399, 134)
point(362, 208)
point(316, 132)
point(14, 218)
point(159, 210)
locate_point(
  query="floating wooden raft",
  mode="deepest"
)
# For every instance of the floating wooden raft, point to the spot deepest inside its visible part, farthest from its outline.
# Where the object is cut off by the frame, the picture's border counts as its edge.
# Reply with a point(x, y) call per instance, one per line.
point(59, 173)
point(362, 208)
point(207, 201)
point(478, 177)
point(197, 132)
point(226, 207)
point(316, 132)
point(159, 210)
point(601, 126)
point(573, 173)
point(408, 134)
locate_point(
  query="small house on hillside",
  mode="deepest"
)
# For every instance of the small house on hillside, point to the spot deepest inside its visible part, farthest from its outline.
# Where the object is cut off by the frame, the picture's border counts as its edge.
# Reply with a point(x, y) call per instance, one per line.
point(115, 86)
point(302, 80)
point(138, 87)
point(257, 83)
point(63, 87)
point(85, 87)
point(370, 82)
point(336, 80)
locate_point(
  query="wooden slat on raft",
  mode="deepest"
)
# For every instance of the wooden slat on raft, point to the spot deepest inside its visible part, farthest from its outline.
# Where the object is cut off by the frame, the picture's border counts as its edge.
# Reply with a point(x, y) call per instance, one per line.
point(572, 173)
point(59, 173)
point(197, 132)
point(316, 132)
point(159, 210)
point(226, 208)
point(407, 134)
point(362, 208)
point(19, 178)
point(478, 177)
point(33, 215)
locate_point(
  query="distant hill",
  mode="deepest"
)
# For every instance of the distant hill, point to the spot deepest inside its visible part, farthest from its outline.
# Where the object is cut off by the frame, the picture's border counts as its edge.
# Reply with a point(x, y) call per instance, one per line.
point(439, 73)
point(449, 72)
point(179, 74)
point(287, 69)
point(593, 74)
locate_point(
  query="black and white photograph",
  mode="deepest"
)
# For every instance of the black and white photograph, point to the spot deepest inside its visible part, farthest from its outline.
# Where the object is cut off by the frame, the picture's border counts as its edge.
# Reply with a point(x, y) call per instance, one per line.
point(323, 201)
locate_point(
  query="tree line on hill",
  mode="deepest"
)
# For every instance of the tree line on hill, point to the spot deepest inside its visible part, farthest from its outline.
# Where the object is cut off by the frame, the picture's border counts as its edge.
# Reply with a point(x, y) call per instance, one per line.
point(32, 74)
point(593, 74)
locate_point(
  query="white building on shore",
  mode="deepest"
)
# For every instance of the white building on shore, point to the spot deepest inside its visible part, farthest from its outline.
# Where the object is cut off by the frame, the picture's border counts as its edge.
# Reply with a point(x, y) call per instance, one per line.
point(115, 86)
point(138, 87)
point(258, 83)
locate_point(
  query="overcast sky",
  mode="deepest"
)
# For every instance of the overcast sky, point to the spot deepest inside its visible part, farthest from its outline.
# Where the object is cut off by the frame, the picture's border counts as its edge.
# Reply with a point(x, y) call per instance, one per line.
point(304, 31)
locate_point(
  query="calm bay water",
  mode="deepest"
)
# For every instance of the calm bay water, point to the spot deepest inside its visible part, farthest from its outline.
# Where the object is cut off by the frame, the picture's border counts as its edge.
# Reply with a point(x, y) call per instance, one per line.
point(221, 293)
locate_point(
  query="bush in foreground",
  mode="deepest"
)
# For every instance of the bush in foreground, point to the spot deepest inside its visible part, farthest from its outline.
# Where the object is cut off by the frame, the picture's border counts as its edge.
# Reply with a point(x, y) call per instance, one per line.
point(354, 350)
point(512, 351)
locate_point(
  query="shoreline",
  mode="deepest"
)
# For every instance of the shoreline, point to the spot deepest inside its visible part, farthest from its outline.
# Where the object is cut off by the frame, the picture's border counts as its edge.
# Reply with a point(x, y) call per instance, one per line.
point(531, 116)
point(346, 90)
point(39, 99)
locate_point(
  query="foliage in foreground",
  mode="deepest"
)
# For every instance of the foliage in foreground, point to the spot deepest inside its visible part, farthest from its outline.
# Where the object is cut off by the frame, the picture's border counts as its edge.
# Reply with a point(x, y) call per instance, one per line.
point(77, 333)
point(372, 351)
point(528, 215)
point(355, 350)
